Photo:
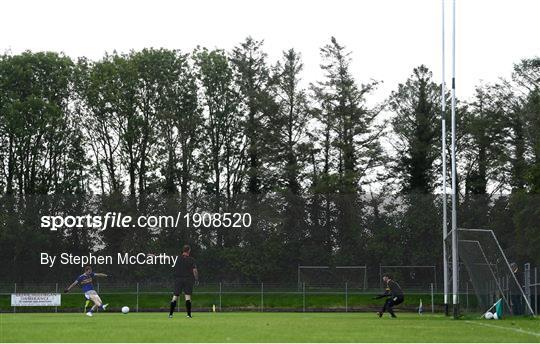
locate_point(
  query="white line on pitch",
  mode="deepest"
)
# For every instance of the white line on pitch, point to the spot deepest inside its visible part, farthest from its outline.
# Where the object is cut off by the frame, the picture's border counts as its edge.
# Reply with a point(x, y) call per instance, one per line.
point(537, 334)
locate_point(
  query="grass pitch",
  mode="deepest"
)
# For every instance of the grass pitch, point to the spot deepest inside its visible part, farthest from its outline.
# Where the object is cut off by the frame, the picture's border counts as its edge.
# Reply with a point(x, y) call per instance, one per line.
point(260, 327)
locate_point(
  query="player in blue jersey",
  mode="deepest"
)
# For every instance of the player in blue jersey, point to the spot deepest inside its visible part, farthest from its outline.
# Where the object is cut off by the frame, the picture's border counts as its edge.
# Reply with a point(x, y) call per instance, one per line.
point(86, 282)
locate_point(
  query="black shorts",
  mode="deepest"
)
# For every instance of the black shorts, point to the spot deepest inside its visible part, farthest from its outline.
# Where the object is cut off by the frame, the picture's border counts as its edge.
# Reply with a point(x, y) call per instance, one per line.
point(396, 300)
point(183, 285)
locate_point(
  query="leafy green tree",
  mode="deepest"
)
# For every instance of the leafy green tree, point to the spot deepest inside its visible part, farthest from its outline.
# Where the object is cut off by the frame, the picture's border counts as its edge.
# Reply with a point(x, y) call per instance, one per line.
point(222, 128)
point(42, 154)
point(176, 107)
point(43, 146)
point(157, 131)
point(221, 105)
point(96, 91)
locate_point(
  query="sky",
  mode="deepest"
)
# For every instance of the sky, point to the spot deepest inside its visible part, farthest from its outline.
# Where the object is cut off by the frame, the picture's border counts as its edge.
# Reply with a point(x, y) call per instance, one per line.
point(387, 38)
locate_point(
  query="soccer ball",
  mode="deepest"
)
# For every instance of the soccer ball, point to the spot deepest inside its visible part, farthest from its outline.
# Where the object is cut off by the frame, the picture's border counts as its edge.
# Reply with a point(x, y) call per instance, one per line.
point(495, 316)
point(125, 309)
point(488, 315)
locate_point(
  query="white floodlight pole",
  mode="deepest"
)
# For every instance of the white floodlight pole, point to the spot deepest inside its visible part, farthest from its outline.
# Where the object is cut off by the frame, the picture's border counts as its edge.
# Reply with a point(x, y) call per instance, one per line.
point(455, 272)
point(443, 153)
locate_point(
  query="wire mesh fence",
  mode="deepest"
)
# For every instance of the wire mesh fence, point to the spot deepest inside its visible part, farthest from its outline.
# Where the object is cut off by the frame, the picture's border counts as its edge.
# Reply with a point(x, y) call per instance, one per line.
point(411, 277)
point(488, 271)
point(532, 287)
point(355, 276)
point(223, 296)
point(308, 293)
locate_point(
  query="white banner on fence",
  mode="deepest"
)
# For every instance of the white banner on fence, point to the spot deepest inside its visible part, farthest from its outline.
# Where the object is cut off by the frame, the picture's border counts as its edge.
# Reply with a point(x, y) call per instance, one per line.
point(35, 299)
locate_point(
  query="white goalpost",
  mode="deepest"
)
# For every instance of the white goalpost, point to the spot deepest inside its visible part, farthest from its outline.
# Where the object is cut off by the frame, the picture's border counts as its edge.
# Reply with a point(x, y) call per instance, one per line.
point(453, 233)
point(455, 266)
point(478, 249)
point(443, 155)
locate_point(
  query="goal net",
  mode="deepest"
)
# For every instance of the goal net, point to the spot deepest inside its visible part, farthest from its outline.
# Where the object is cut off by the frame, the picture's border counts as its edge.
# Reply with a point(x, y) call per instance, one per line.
point(411, 277)
point(354, 277)
point(488, 271)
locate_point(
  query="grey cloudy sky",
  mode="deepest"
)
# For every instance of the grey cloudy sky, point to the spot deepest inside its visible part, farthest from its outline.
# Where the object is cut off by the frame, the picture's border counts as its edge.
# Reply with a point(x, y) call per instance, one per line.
point(387, 37)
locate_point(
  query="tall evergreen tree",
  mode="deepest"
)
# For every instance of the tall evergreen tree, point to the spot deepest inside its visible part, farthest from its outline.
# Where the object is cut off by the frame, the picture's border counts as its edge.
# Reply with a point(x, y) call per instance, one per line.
point(416, 126)
point(252, 76)
point(415, 105)
point(484, 127)
point(289, 124)
point(349, 143)
point(287, 130)
point(527, 78)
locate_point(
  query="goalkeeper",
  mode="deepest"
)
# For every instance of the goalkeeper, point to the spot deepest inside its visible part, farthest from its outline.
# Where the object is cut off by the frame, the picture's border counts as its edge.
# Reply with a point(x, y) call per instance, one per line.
point(394, 296)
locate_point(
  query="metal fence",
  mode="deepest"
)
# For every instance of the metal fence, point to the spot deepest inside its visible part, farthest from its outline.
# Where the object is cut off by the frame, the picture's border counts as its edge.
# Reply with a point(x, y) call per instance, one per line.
point(528, 280)
point(267, 296)
point(225, 296)
point(531, 286)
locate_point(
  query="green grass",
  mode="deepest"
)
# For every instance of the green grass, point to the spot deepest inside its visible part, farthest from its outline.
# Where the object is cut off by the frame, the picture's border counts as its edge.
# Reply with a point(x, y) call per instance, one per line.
point(260, 327)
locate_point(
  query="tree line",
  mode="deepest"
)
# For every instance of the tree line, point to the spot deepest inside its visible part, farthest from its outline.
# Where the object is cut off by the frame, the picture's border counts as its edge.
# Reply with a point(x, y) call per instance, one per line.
point(330, 179)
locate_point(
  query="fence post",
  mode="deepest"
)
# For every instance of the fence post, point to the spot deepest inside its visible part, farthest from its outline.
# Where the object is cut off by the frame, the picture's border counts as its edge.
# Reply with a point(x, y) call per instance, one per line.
point(298, 274)
point(467, 295)
point(15, 292)
point(536, 291)
point(304, 296)
point(220, 296)
point(262, 297)
point(98, 291)
point(346, 298)
point(527, 282)
point(56, 307)
point(435, 277)
point(137, 297)
point(380, 277)
point(432, 300)
point(508, 297)
point(365, 279)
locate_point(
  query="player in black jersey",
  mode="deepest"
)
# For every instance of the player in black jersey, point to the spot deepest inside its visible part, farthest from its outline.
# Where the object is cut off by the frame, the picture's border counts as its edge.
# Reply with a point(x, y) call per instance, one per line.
point(394, 296)
point(185, 277)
